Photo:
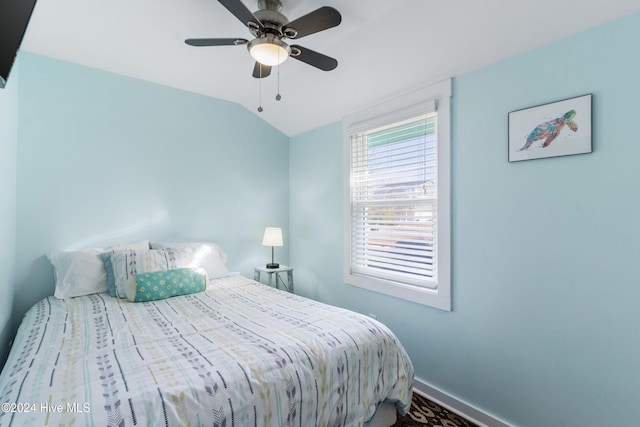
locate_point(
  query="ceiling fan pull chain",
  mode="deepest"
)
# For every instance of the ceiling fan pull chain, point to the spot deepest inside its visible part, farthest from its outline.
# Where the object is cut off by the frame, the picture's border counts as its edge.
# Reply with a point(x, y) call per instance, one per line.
point(278, 96)
point(260, 90)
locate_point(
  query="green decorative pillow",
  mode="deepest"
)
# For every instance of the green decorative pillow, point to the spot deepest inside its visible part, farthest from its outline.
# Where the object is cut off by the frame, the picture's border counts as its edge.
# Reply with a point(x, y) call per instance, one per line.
point(157, 285)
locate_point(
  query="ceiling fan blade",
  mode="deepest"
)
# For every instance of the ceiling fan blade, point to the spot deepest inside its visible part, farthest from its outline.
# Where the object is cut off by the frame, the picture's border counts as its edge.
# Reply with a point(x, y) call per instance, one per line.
point(241, 12)
point(313, 58)
point(216, 42)
point(257, 73)
point(318, 20)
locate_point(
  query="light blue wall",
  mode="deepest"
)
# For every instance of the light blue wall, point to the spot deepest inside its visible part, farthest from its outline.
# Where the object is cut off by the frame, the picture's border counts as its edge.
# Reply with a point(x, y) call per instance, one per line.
point(104, 158)
point(8, 144)
point(545, 270)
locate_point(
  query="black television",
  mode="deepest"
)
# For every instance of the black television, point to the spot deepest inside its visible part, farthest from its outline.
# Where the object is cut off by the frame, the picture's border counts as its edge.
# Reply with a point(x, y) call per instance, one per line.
point(14, 18)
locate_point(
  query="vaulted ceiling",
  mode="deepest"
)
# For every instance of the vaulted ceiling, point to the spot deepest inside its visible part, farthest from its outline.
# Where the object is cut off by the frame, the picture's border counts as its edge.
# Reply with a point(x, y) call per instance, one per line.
point(382, 47)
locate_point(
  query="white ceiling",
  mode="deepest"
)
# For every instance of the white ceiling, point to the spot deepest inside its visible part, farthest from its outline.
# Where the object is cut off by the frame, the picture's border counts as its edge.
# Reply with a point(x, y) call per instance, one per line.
point(383, 47)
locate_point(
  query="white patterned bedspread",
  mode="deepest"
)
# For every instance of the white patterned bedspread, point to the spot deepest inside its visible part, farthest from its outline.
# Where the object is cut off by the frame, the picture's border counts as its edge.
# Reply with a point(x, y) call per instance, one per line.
point(239, 354)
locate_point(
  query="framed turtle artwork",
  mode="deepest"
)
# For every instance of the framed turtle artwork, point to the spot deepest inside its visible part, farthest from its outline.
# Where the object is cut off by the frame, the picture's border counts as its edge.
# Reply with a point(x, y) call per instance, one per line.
point(560, 128)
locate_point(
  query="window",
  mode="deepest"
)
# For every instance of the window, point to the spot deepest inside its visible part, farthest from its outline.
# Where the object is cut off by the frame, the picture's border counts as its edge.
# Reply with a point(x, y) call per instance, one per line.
point(397, 198)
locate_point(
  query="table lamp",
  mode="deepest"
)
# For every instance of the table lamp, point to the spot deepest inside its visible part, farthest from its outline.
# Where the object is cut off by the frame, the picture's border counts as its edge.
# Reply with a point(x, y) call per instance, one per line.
point(272, 237)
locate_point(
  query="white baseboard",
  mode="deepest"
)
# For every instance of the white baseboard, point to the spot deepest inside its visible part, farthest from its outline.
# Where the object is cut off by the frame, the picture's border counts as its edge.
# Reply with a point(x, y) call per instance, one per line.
point(451, 403)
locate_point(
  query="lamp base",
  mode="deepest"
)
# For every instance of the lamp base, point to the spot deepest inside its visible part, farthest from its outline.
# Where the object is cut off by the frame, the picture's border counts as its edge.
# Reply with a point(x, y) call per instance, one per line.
point(273, 265)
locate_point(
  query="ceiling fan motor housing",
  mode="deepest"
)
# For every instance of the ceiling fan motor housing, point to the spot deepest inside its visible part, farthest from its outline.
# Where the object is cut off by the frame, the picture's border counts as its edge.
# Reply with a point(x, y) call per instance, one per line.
point(270, 14)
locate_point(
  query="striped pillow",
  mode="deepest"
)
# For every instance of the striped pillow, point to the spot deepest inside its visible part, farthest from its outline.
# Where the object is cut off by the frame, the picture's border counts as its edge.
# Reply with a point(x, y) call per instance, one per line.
point(122, 266)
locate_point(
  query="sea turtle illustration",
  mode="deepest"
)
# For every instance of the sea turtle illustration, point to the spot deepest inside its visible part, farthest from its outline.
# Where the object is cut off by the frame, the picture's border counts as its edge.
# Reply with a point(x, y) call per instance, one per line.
point(551, 129)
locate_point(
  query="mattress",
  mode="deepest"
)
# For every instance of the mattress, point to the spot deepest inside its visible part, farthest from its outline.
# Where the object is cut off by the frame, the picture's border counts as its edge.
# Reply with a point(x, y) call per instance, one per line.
point(239, 354)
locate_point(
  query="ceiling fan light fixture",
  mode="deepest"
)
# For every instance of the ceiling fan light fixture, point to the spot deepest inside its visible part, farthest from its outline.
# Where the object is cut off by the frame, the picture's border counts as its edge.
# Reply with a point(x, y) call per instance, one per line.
point(269, 50)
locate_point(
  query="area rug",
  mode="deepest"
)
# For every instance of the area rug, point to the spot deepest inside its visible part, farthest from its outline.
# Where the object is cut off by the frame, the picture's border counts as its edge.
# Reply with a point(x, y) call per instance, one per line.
point(424, 412)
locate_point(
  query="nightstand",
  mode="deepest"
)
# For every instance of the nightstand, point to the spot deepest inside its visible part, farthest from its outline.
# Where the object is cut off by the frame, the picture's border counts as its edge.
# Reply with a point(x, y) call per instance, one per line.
point(277, 273)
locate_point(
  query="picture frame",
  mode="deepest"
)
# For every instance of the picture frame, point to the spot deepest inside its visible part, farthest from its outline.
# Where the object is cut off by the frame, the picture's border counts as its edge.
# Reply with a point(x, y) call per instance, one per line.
point(561, 128)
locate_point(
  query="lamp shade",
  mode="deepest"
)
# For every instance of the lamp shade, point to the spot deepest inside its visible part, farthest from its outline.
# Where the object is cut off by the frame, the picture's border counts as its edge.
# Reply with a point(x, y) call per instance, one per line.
point(272, 237)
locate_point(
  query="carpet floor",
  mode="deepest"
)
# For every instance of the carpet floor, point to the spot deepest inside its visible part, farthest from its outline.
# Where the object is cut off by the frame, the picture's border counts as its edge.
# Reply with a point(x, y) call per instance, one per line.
point(424, 412)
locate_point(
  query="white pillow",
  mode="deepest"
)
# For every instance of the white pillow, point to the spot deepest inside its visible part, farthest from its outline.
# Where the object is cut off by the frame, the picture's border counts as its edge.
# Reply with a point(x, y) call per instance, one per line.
point(78, 273)
point(209, 256)
point(82, 272)
point(127, 263)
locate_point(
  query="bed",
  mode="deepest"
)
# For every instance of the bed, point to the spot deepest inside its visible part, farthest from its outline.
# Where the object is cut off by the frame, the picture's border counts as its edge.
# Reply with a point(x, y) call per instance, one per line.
point(240, 353)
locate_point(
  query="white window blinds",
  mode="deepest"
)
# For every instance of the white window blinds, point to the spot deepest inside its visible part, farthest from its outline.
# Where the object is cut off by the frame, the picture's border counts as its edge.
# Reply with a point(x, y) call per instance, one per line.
point(394, 202)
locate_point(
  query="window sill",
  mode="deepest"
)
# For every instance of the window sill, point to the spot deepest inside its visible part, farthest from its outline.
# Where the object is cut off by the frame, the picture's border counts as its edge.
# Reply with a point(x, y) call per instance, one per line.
point(425, 296)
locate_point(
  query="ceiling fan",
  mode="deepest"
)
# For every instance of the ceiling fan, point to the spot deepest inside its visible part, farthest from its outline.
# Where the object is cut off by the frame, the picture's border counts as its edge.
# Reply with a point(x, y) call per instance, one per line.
point(270, 27)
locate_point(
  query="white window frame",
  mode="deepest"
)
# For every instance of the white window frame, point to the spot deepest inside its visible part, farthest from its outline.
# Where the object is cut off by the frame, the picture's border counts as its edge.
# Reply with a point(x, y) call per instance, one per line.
point(424, 100)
